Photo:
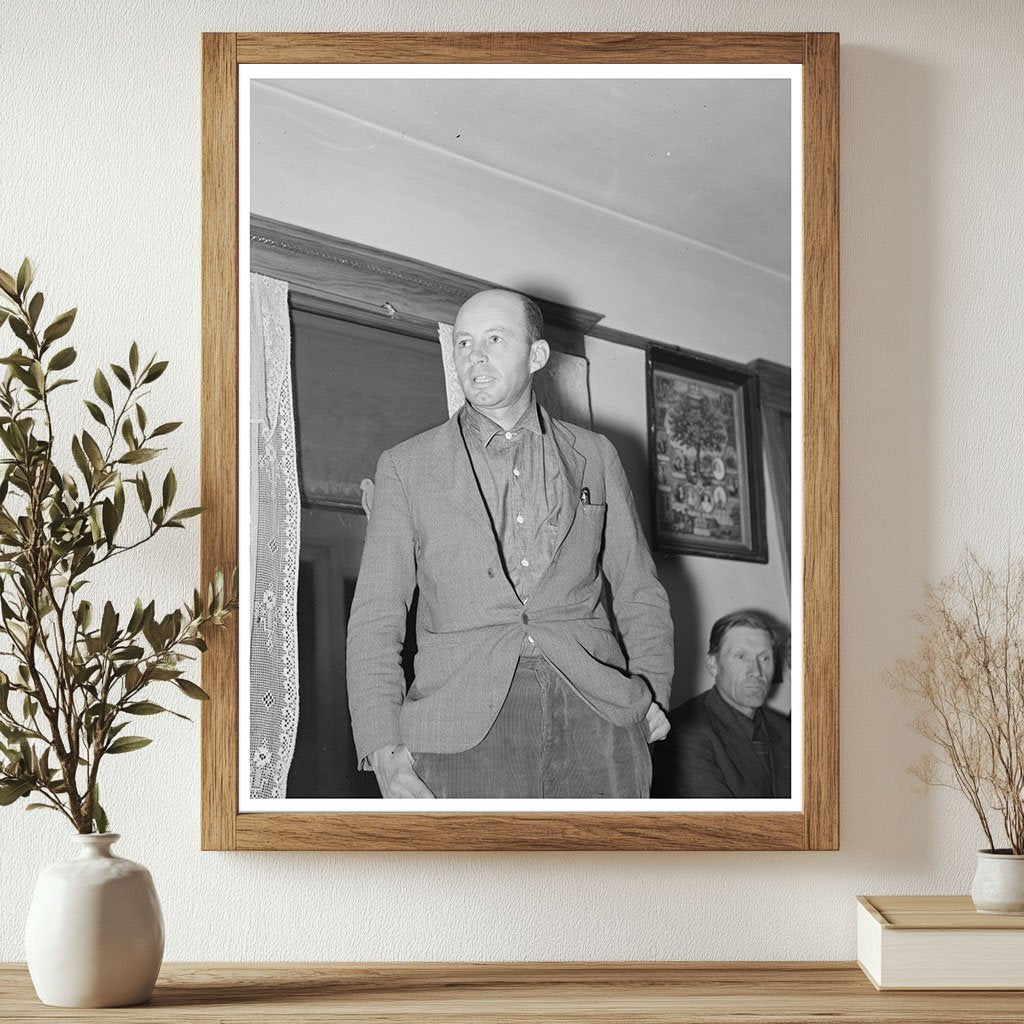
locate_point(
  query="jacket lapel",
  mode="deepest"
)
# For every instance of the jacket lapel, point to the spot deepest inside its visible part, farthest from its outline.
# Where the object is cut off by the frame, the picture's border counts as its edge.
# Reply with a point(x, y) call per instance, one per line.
point(572, 464)
point(464, 487)
point(735, 741)
point(466, 491)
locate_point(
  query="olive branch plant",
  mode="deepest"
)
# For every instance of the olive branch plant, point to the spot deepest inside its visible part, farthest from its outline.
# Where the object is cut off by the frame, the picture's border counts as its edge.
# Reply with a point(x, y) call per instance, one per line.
point(966, 681)
point(80, 675)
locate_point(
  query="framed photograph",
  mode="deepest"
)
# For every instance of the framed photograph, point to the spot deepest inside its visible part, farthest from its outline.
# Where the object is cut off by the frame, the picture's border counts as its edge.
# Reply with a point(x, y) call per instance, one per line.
point(704, 443)
point(468, 476)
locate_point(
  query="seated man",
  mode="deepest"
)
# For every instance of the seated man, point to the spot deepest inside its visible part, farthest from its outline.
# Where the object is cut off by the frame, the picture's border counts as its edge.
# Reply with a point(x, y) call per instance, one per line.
point(725, 742)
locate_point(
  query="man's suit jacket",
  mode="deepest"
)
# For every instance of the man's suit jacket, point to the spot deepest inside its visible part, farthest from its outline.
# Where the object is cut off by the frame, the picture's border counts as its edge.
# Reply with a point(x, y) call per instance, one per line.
point(708, 753)
point(430, 530)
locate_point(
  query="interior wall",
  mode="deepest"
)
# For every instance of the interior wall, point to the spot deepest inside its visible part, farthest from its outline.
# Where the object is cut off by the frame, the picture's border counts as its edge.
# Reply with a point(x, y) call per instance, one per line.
point(317, 168)
point(103, 189)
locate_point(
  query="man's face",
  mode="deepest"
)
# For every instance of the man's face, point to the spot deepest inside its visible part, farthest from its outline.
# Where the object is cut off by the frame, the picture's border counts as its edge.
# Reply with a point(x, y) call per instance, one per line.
point(743, 668)
point(494, 357)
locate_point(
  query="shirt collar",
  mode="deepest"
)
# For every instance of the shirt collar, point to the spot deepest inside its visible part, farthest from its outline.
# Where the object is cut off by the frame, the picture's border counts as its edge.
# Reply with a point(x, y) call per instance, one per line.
point(751, 727)
point(488, 429)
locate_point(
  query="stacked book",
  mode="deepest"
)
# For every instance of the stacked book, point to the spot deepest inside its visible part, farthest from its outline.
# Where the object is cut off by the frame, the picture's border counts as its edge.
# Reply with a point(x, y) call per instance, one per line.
point(938, 942)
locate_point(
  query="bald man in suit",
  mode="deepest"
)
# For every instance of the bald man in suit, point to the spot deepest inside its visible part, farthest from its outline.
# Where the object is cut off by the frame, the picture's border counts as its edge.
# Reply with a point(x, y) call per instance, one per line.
point(508, 523)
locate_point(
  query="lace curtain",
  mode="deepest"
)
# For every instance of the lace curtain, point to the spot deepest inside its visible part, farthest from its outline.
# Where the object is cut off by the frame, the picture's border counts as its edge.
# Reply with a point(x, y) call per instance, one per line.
point(561, 387)
point(273, 541)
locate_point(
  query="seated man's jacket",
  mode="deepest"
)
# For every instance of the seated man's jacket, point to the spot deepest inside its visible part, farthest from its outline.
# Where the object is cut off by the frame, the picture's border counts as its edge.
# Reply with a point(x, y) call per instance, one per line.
point(429, 529)
point(708, 753)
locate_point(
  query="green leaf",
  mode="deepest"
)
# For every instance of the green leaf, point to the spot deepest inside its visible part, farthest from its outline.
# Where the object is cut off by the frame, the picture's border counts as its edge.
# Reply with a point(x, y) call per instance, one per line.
point(128, 433)
point(16, 359)
point(191, 690)
point(145, 498)
point(119, 499)
point(20, 328)
point(96, 412)
point(135, 622)
point(109, 521)
point(63, 359)
point(60, 326)
point(154, 371)
point(125, 744)
point(108, 627)
point(11, 791)
point(26, 274)
point(143, 707)
point(80, 458)
point(170, 488)
point(42, 807)
point(4, 314)
point(92, 449)
point(165, 428)
point(8, 284)
point(99, 816)
point(133, 358)
point(121, 374)
point(164, 673)
point(34, 308)
point(12, 733)
point(139, 455)
point(102, 388)
point(140, 415)
point(185, 513)
point(130, 653)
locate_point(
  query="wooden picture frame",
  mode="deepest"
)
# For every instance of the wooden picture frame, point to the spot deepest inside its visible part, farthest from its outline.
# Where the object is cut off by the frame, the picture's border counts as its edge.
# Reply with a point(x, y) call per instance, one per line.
point(816, 826)
point(704, 446)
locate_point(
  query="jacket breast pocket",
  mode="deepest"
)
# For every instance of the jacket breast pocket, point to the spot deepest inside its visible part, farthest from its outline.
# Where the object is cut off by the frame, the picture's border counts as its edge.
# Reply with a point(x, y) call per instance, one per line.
point(592, 515)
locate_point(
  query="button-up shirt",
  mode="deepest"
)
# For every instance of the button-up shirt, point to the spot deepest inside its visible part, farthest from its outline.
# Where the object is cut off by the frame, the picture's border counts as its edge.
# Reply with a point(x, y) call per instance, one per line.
point(519, 479)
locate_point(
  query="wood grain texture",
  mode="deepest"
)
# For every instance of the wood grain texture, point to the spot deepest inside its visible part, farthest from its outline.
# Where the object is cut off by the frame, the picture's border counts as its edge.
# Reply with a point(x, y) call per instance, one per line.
point(936, 912)
point(821, 441)
point(520, 832)
point(616, 993)
point(337, 271)
point(818, 826)
point(219, 430)
point(521, 48)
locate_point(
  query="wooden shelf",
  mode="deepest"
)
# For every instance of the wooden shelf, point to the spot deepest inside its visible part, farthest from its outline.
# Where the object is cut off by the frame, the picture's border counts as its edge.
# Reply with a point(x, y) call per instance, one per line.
point(476, 993)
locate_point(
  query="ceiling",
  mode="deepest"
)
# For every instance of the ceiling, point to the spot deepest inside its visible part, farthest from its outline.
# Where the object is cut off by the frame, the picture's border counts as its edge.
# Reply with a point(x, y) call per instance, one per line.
point(707, 160)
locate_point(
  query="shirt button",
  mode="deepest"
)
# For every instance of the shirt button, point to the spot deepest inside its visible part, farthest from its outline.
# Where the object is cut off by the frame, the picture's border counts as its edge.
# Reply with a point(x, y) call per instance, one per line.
point(515, 472)
point(508, 435)
point(519, 519)
point(525, 563)
point(530, 638)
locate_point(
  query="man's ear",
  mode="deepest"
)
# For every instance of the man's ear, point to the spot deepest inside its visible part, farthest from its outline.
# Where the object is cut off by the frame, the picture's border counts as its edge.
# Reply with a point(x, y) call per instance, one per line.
point(540, 352)
point(711, 661)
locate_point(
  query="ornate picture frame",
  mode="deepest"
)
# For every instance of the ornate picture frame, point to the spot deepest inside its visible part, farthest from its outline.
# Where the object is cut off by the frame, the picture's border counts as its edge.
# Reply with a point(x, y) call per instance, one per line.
point(704, 445)
point(814, 826)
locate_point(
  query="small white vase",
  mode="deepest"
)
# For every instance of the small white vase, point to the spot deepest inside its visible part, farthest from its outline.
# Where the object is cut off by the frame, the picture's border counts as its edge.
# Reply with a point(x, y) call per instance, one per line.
point(999, 882)
point(95, 933)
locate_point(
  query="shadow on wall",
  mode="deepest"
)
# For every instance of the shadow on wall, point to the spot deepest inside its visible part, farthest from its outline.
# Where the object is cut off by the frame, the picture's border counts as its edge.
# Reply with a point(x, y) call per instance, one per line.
point(889, 265)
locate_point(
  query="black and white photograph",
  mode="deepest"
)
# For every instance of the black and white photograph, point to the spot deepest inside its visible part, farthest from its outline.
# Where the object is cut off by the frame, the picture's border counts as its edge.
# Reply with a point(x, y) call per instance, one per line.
point(521, 534)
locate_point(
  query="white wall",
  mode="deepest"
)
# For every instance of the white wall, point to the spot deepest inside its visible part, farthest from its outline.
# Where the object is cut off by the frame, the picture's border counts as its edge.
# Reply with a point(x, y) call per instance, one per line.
point(102, 187)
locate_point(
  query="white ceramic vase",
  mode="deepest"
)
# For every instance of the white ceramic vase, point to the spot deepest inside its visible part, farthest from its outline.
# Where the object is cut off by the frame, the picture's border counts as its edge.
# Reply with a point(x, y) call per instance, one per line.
point(95, 933)
point(999, 883)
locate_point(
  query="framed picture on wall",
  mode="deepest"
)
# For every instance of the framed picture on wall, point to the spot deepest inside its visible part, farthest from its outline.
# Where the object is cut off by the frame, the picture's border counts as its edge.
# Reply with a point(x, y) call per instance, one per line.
point(359, 193)
point(704, 443)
